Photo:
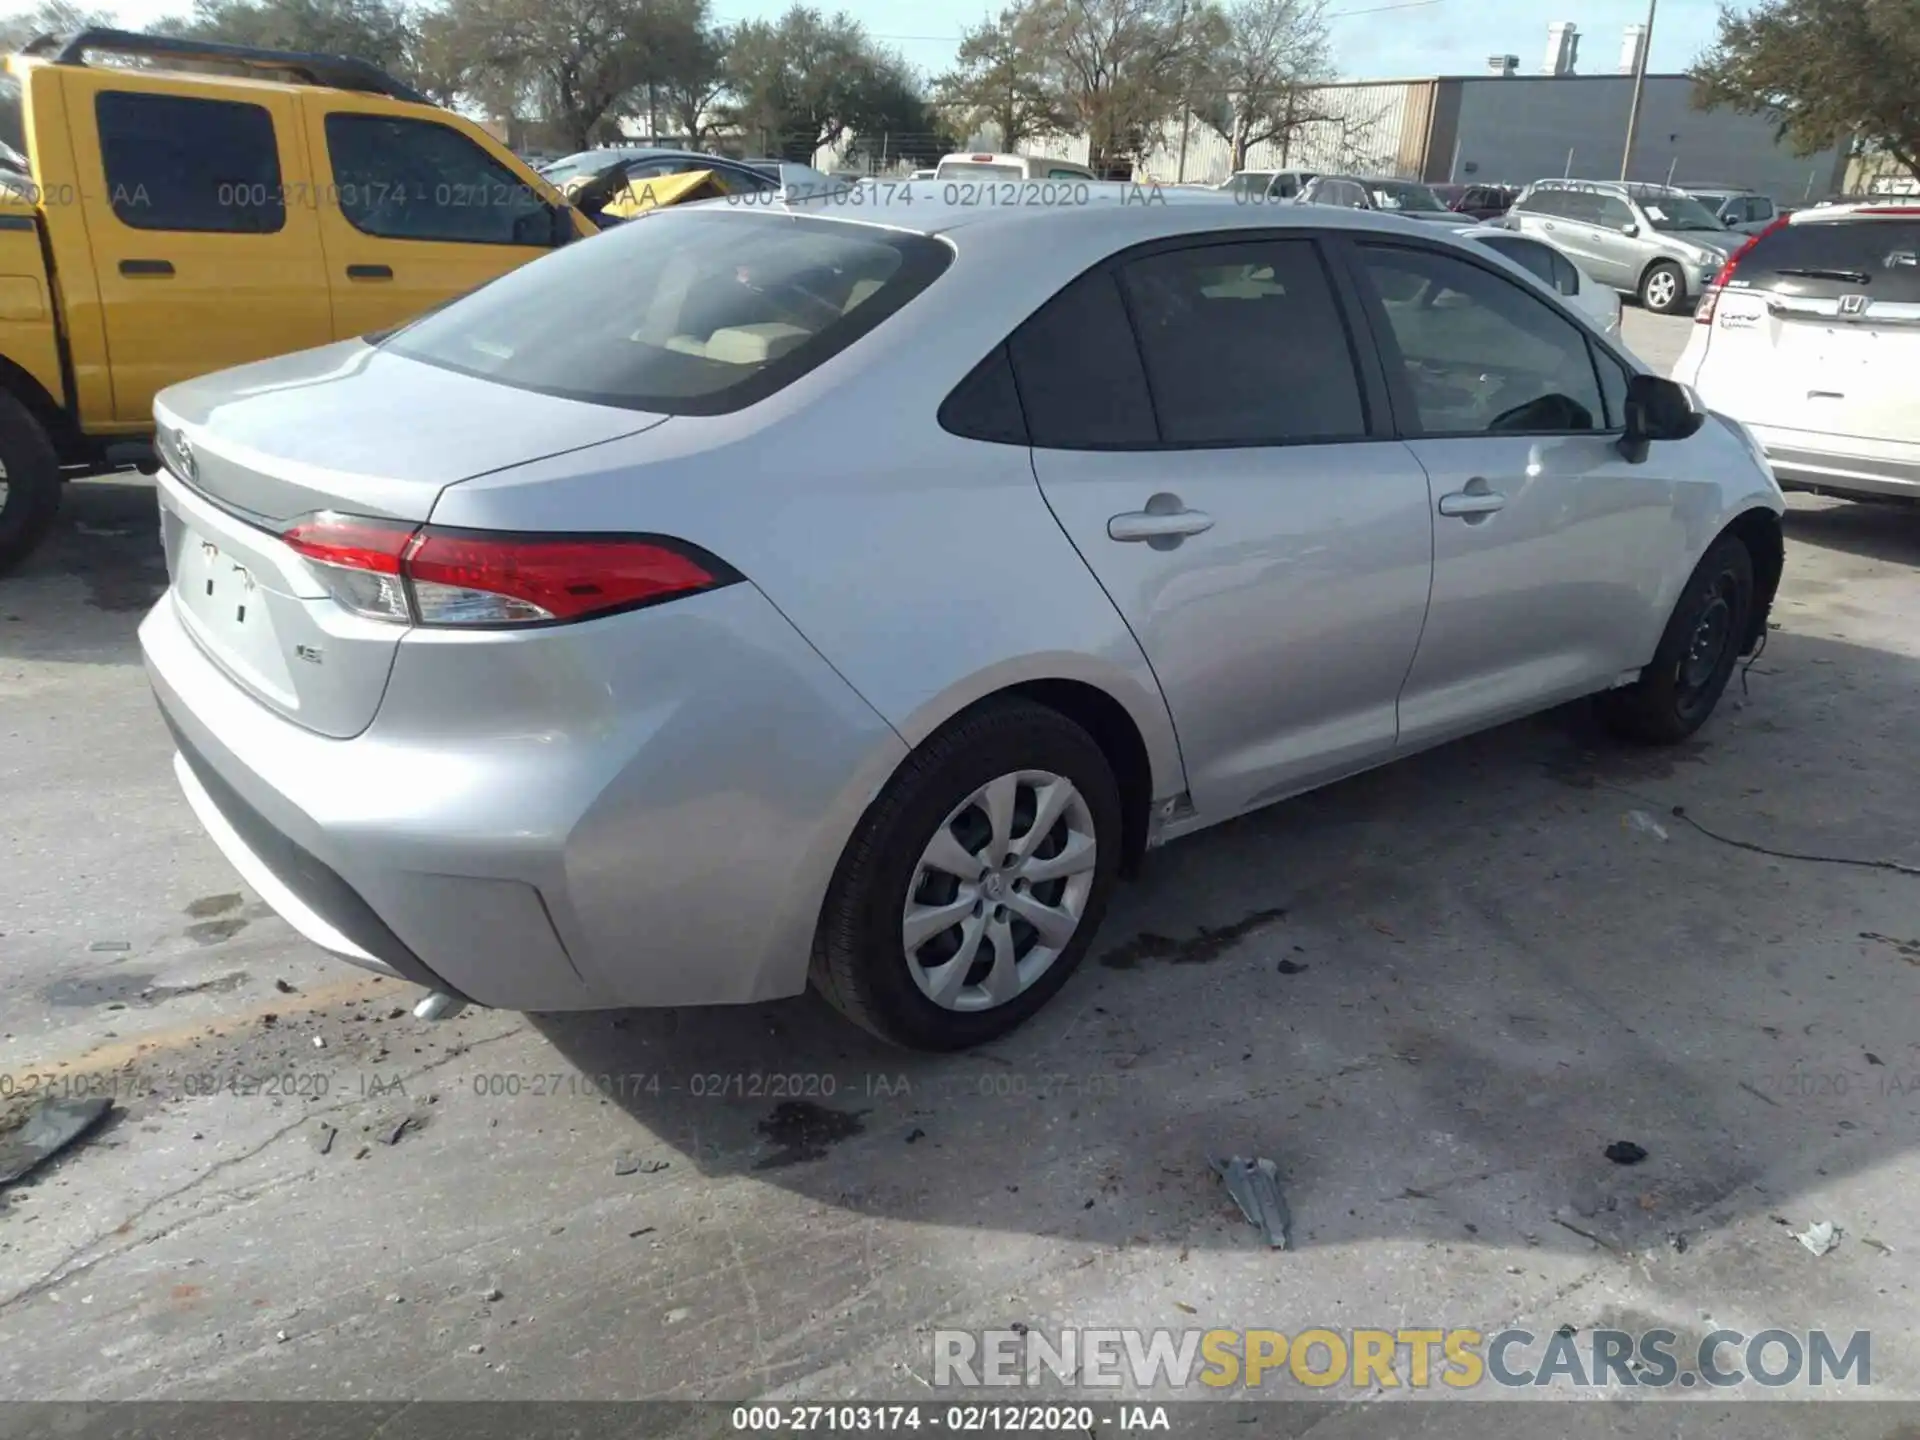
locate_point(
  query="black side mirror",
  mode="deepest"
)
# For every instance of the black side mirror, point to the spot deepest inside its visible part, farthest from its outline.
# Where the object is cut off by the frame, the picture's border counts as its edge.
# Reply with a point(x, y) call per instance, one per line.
point(1658, 409)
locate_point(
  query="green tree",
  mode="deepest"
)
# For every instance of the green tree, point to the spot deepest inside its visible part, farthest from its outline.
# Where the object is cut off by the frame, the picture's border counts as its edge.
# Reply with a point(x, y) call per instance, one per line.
point(694, 78)
point(1822, 70)
point(1255, 77)
point(893, 120)
point(1121, 67)
point(379, 31)
point(1002, 78)
point(578, 64)
point(799, 82)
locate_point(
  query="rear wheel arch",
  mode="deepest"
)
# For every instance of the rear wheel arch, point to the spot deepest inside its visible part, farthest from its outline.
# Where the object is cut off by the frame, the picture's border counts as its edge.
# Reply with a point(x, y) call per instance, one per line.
point(1119, 739)
point(53, 418)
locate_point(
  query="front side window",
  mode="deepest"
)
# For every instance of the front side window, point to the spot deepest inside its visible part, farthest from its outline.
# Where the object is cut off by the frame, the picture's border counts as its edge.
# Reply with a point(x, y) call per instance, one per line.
point(175, 163)
point(1244, 345)
point(1481, 356)
point(406, 179)
point(681, 311)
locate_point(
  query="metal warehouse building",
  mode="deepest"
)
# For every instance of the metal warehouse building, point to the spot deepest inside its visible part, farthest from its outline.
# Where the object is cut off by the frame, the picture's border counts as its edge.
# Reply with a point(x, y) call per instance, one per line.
point(1504, 127)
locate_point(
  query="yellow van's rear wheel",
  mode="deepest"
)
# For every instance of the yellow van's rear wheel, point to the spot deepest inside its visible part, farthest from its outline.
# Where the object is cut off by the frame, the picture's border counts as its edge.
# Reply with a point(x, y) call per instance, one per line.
point(29, 482)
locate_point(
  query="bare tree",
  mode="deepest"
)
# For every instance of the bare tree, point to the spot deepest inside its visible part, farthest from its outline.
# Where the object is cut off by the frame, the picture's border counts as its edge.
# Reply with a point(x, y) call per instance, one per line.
point(1255, 85)
point(1122, 68)
point(52, 17)
point(1003, 78)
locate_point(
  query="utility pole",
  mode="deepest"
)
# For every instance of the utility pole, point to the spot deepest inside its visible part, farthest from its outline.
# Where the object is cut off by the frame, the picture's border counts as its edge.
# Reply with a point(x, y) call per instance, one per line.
point(1639, 90)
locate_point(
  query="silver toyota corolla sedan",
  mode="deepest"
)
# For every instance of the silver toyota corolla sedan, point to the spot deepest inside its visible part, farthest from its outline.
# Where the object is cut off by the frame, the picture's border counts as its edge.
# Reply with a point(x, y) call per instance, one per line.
point(751, 596)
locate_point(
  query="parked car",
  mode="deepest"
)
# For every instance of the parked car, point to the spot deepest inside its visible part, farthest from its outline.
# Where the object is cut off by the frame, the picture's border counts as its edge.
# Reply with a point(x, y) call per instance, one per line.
point(1256, 186)
point(1008, 167)
point(924, 175)
point(1736, 207)
point(1811, 335)
point(636, 180)
point(1479, 202)
point(592, 162)
point(801, 181)
point(158, 221)
point(499, 656)
point(1600, 304)
point(1394, 197)
point(1650, 241)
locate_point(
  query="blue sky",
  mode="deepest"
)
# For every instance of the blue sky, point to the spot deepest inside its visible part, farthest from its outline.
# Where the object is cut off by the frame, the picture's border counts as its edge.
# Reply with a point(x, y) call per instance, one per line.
point(1372, 38)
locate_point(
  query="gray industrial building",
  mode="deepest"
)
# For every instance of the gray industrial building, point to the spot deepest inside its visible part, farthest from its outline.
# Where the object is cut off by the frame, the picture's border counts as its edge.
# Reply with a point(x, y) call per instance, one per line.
point(1508, 127)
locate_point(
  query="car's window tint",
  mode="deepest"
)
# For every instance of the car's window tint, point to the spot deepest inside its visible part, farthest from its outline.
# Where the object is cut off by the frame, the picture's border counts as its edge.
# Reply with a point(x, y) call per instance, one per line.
point(1613, 387)
point(405, 179)
point(1566, 278)
point(1079, 373)
point(1528, 254)
point(174, 163)
point(1481, 354)
point(1244, 344)
point(986, 405)
point(682, 311)
point(1615, 212)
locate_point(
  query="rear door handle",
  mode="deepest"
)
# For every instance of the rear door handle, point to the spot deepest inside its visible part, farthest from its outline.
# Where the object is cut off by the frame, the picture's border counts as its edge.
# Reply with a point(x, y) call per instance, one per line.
point(1153, 525)
point(146, 267)
point(369, 272)
point(1470, 502)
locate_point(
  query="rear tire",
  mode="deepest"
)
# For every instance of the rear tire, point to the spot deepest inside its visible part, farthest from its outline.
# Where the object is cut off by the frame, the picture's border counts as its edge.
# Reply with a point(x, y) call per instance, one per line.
point(862, 962)
point(32, 481)
point(1663, 289)
point(1678, 691)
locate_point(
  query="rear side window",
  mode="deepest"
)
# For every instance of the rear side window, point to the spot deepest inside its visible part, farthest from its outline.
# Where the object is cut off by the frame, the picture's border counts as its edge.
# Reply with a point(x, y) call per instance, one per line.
point(1879, 258)
point(681, 312)
point(174, 163)
point(1527, 254)
point(1078, 369)
point(1244, 345)
point(963, 169)
point(405, 179)
point(986, 405)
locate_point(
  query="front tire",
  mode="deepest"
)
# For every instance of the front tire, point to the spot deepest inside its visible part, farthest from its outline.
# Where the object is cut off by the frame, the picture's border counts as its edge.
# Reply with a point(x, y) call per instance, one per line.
point(1677, 692)
point(1663, 289)
point(975, 883)
point(30, 485)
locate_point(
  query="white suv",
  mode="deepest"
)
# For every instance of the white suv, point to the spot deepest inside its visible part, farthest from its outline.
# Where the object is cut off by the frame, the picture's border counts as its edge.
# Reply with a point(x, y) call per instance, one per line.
point(1811, 335)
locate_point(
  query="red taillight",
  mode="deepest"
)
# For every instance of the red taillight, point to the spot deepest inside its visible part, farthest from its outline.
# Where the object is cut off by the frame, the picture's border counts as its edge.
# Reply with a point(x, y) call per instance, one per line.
point(1710, 301)
point(388, 570)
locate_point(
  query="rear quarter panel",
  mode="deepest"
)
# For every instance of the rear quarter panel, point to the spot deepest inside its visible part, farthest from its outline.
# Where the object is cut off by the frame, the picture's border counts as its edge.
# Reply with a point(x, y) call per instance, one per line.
point(29, 323)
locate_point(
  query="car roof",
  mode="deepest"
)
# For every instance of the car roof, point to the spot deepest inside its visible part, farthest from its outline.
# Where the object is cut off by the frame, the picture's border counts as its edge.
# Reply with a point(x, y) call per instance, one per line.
point(1895, 208)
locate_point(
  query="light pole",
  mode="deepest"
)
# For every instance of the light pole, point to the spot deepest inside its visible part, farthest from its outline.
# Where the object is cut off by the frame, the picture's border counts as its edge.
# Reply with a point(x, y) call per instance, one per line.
point(1639, 90)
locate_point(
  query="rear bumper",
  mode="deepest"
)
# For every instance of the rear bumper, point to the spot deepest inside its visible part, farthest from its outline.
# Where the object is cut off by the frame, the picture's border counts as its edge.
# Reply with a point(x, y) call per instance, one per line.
point(1841, 465)
point(645, 810)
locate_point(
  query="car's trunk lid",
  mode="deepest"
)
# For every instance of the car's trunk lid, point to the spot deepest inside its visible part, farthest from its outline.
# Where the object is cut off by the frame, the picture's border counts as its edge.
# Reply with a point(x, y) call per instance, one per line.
point(349, 429)
point(1819, 329)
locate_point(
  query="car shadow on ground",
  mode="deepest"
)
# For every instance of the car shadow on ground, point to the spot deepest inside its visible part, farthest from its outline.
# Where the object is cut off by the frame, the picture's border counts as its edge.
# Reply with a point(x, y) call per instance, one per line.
point(1434, 995)
point(1879, 531)
point(107, 538)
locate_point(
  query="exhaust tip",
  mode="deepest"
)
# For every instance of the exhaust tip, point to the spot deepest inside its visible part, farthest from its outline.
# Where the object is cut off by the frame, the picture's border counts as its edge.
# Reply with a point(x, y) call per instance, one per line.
point(438, 1006)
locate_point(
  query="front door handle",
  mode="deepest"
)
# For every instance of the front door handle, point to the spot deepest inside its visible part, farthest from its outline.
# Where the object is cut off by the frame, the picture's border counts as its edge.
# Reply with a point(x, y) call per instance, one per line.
point(369, 272)
point(146, 267)
point(1477, 499)
point(1163, 525)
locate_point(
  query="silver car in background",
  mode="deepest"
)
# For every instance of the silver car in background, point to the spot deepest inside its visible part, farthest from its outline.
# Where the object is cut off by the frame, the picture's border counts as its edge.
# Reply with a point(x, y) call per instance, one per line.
point(751, 596)
point(1599, 303)
point(1655, 243)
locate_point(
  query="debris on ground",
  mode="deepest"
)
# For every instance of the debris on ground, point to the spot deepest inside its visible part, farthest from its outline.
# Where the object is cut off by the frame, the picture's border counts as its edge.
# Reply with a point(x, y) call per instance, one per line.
point(491, 1294)
point(319, 1042)
point(1254, 1185)
point(1819, 1237)
point(634, 1165)
point(1880, 1245)
point(110, 947)
point(323, 1137)
point(49, 1128)
point(916, 1134)
point(284, 988)
point(1625, 1152)
point(1641, 821)
point(1290, 967)
point(1677, 1242)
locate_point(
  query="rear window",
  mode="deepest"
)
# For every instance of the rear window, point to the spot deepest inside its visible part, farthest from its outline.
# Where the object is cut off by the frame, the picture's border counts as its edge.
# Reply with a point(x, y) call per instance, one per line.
point(949, 169)
point(1823, 259)
point(682, 312)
